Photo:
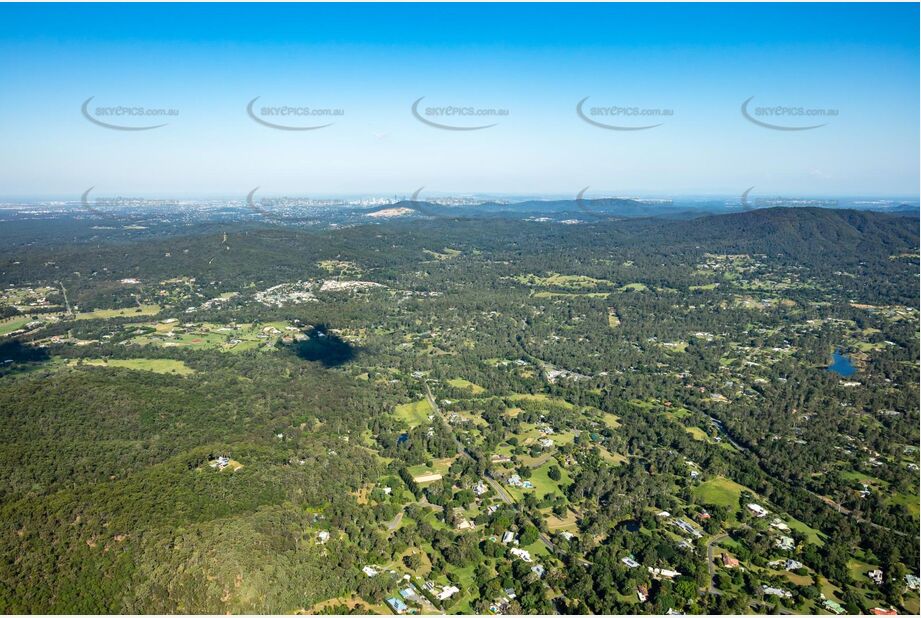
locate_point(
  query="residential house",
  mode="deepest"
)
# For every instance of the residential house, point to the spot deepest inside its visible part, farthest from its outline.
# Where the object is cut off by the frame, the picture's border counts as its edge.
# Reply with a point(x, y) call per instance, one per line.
point(780, 525)
point(792, 565)
point(777, 592)
point(757, 510)
point(660, 573)
point(832, 606)
point(785, 543)
point(688, 528)
point(397, 604)
point(447, 592)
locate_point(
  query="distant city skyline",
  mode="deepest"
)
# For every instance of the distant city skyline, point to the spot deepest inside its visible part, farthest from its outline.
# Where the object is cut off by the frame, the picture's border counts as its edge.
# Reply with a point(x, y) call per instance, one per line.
point(814, 100)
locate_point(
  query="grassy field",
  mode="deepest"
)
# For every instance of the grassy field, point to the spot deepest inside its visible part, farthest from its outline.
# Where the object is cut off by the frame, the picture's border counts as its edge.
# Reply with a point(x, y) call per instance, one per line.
point(439, 466)
point(415, 413)
point(129, 312)
point(157, 365)
point(697, 433)
point(719, 491)
point(910, 502)
point(541, 398)
point(634, 287)
point(9, 325)
point(555, 524)
point(224, 338)
point(562, 281)
point(611, 457)
point(812, 535)
point(543, 484)
point(476, 389)
point(546, 294)
point(447, 253)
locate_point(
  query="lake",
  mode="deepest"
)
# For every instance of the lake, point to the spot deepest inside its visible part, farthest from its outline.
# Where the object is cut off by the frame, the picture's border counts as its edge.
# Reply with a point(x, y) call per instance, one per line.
point(841, 364)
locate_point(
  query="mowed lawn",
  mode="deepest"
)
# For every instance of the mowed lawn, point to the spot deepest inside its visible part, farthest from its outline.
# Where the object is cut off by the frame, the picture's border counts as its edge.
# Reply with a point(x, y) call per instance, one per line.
point(543, 484)
point(415, 413)
point(439, 466)
point(9, 325)
point(720, 491)
point(476, 389)
point(104, 314)
point(157, 365)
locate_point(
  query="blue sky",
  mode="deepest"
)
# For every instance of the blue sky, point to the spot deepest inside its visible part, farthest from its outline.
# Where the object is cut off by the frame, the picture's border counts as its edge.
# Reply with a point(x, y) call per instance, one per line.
point(536, 61)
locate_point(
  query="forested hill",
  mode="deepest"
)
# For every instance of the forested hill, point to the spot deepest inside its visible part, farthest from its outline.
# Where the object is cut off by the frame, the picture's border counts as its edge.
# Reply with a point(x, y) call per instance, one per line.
point(805, 232)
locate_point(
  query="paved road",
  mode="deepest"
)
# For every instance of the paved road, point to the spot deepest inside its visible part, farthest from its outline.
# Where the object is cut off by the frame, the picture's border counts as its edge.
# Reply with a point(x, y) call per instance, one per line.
point(70, 311)
point(710, 566)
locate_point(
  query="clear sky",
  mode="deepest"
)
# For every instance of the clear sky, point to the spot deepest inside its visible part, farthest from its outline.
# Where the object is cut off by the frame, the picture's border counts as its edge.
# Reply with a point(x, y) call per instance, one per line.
point(536, 61)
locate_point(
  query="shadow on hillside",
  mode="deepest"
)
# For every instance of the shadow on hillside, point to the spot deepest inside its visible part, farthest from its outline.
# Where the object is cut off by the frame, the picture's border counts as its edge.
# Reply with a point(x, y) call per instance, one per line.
point(14, 356)
point(325, 347)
